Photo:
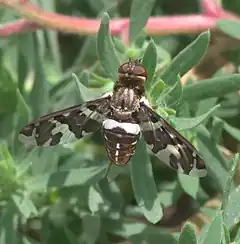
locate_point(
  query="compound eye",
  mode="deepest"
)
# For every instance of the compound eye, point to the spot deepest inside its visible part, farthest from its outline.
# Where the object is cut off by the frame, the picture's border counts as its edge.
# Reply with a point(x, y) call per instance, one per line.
point(140, 71)
point(124, 68)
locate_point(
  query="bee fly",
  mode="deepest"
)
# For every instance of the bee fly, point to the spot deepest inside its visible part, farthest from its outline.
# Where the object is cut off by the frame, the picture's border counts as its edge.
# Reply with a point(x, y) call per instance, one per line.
point(123, 116)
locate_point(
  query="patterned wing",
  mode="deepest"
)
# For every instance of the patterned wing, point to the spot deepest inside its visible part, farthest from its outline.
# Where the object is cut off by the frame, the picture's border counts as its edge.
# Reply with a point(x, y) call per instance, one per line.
point(168, 145)
point(66, 125)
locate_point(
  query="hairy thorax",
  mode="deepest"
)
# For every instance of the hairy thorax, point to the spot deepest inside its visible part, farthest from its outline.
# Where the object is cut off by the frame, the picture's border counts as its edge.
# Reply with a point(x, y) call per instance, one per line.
point(125, 102)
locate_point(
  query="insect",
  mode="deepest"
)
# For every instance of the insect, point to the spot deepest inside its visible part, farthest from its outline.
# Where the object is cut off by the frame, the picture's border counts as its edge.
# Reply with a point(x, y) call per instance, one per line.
point(123, 116)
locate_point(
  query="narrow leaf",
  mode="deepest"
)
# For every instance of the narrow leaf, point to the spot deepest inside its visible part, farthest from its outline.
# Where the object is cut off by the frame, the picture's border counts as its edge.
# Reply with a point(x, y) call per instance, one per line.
point(156, 91)
point(216, 164)
point(232, 210)
point(91, 224)
point(85, 94)
point(150, 62)
point(105, 49)
point(22, 118)
point(189, 184)
point(217, 128)
point(214, 234)
point(233, 131)
point(67, 178)
point(112, 193)
point(226, 234)
point(230, 27)
point(140, 12)
point(8, 233)
point(187, 235)
point(215, 87)
point(228, 187)
point(186, 59)
point(173, 96)
point(8, 93)
point(25, 205)
point(95, 200)
point(189, 123)
point(119, 45)
point(145, 190)
point(39, 93)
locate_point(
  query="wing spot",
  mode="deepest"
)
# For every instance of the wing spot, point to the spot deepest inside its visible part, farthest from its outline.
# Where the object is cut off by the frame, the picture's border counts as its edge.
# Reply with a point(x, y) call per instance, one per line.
point(171, 135)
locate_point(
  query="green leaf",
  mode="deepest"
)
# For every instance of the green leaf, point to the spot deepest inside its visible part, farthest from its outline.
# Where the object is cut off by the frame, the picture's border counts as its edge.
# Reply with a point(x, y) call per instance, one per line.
point(128, 229)
point(170, 194)
point(9, 162)
point(52, 36)
point(215, 87)
point(140, 12)
point(186, 59)
point(189, 184)
point(8, 233)
point(67, 178)
point(214, 233)
point(23, 112)
point(228, 187)
point(85, 94)
point(105, 49)
point(234, 132)
point(156, 90)
point(234, 231)
point(39, 93)
point(25, 205)
point(150, 62)
point(145, 190)
point(226, 234)
point(95, 200)
point(111, 192)
point(187, 235)
point(229, 27)
point(70, 236)
point(231, 207)
point(91, 224)
point(217, 127)
point(174, 94)
point(119, 45)
point(8, 93)
point(25, 59)
point(205, 105)
point(189, 123)
point(22, 118)
point(216, 164)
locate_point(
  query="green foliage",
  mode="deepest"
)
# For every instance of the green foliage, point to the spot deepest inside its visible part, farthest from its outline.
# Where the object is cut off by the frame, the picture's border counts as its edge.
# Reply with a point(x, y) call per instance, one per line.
point(186, 59)
point(140, 12)
point(187, 235)
point(145, 190)
point(230, 27)
point(61, 194)
point(106, 52)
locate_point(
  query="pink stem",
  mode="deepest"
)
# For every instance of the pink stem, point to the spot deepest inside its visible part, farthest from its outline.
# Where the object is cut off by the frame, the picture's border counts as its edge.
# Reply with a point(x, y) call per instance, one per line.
point(164, 25)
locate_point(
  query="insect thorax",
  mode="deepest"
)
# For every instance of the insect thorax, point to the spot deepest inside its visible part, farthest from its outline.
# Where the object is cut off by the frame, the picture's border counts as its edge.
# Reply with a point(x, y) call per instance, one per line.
point(124, 103)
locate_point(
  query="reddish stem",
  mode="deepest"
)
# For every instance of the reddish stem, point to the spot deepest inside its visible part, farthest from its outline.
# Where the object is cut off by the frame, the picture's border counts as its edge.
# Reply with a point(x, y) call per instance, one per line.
point(19, 26)
point(164, 25)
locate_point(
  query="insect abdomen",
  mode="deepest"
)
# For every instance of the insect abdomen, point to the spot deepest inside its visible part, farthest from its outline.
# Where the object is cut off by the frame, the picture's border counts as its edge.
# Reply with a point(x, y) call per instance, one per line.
point(120, 140)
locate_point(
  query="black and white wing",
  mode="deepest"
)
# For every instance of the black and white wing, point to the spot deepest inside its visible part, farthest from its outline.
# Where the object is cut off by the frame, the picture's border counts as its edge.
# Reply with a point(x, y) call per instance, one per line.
point(168, 145)
point(65, 125)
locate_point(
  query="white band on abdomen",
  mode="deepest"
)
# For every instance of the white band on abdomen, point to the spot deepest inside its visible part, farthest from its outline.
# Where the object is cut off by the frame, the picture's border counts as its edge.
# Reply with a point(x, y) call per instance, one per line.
point(130, 128)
